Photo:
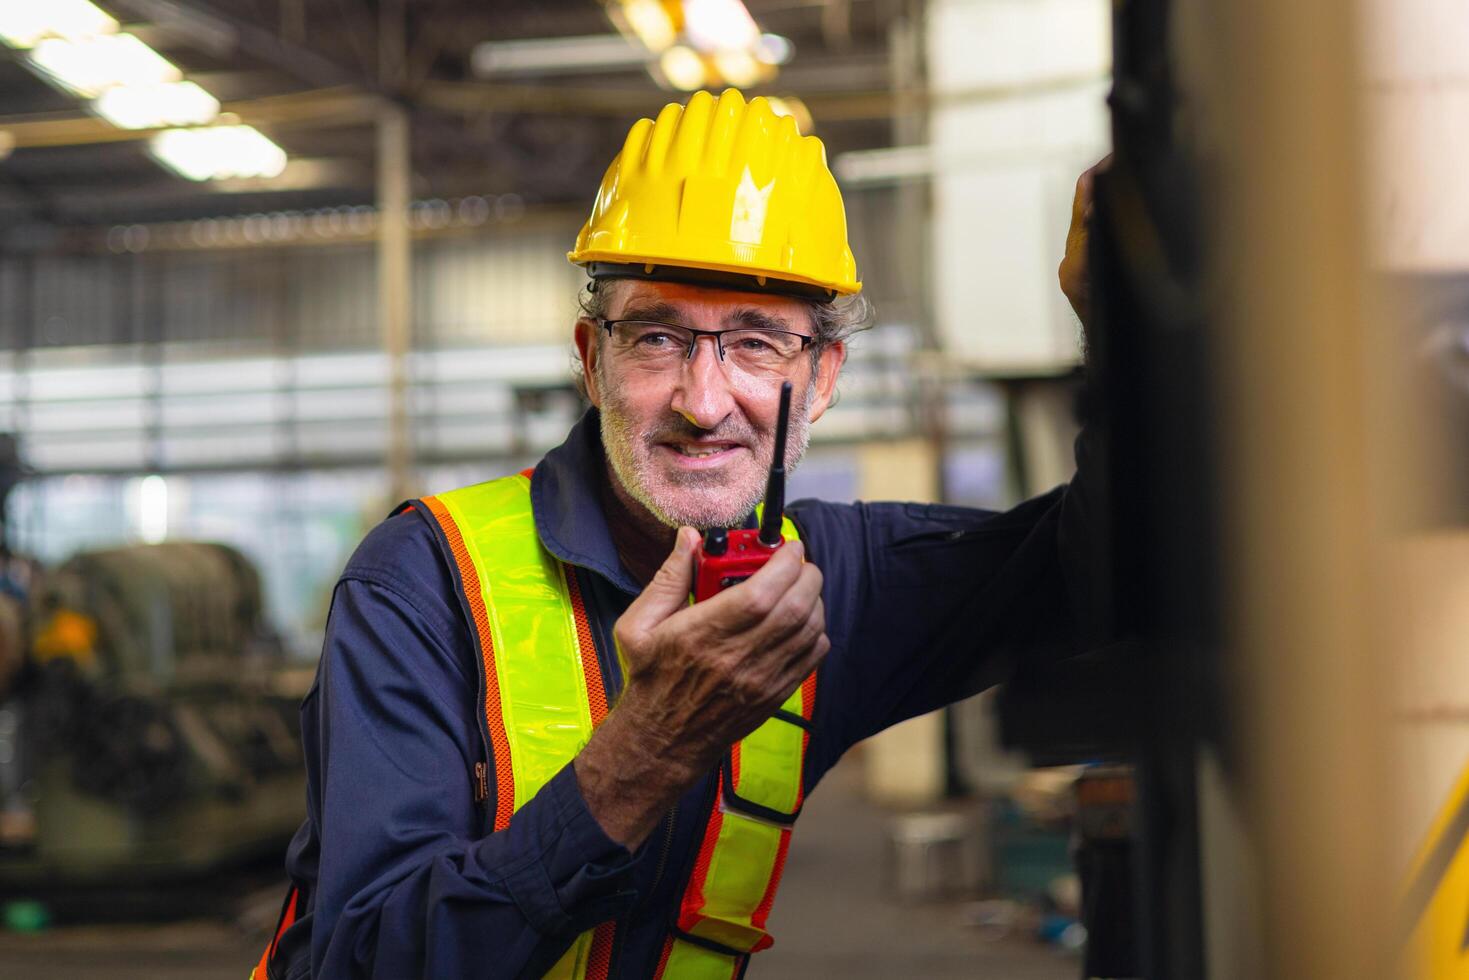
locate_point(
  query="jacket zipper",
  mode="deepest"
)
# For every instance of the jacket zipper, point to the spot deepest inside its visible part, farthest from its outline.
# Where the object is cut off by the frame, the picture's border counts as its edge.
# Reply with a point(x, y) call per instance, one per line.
point(670, 820)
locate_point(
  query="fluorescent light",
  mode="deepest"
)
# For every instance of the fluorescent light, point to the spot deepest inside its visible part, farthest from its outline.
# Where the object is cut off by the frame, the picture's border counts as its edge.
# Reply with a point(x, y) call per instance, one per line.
point(557, 55)
point(649, 20)
point(152, 106)
point(719, 25)
point(23, 23)
point(774, 49)
point(683, 68)
point(218, 152)
point(739, 68)
point(93, 65)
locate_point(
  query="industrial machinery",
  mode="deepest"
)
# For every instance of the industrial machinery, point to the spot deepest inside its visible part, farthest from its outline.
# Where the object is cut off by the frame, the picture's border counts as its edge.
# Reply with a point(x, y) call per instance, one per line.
point(157, 720)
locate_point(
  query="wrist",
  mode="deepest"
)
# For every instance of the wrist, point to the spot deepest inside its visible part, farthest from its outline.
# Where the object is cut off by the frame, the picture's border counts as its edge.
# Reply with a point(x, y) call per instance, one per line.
point(652, 748)
point(660, 737)
point(628, 780)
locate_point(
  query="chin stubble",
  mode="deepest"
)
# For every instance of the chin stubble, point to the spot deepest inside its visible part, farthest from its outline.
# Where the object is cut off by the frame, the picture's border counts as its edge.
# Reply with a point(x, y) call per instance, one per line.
point(631, 455)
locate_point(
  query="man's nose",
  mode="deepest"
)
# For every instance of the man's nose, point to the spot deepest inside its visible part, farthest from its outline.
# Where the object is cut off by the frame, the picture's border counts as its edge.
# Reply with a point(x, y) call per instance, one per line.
point(702, 393)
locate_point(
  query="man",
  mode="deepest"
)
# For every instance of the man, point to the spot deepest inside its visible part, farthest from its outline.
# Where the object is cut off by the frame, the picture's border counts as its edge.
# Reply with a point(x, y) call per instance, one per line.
point(528, 754)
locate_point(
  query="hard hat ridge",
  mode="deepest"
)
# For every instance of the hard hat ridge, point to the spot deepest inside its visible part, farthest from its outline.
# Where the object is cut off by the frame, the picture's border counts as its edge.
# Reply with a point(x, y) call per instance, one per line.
point(721, 186)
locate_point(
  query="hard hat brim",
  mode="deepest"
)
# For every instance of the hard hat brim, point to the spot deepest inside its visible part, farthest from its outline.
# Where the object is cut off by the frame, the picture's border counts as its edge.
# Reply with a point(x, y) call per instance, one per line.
point(715, 278)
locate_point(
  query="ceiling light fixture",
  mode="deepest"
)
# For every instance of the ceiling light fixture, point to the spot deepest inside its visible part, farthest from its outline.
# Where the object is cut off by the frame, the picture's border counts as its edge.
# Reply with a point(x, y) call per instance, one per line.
point(218, 152)
point(683, 68)
point(739, 68)
point(154, 106)
point(654, 22)
point(24, 23)
point(90, 66)
point(774, 49)
point(719, 25)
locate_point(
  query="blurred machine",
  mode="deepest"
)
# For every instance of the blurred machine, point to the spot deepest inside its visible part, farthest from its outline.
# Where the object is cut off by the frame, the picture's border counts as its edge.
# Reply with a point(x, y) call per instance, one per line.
point(153, 728)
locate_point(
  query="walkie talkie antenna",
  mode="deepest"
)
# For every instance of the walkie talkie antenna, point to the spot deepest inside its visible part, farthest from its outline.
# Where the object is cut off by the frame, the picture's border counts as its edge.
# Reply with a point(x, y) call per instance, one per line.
point(775, 489)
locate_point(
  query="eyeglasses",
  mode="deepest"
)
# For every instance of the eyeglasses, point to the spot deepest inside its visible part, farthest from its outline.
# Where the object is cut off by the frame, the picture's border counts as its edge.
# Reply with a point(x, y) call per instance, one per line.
point(658, 346)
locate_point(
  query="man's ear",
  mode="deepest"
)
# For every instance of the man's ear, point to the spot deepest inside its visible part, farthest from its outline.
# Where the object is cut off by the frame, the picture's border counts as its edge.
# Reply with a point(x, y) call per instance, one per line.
point(588, 349)
point(828, 366)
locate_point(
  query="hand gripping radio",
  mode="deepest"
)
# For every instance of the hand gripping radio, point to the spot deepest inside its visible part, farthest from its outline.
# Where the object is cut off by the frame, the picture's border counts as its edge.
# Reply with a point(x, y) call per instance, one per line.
point(729, 556)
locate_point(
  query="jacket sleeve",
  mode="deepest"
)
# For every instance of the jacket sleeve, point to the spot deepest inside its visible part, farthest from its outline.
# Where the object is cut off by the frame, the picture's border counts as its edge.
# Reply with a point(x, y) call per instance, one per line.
point(942, 602)
point(408, 882)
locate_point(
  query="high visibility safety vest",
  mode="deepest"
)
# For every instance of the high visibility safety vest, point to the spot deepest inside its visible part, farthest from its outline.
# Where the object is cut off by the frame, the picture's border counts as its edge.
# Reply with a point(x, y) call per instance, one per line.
point(543, 693)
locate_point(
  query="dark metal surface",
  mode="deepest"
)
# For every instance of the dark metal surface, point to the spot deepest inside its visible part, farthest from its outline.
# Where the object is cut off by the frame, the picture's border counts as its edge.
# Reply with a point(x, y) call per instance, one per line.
point(1157, 702)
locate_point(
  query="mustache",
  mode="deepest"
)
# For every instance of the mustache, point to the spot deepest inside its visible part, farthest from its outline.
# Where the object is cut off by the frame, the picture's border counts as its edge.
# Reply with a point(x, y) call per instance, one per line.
point(678, 427)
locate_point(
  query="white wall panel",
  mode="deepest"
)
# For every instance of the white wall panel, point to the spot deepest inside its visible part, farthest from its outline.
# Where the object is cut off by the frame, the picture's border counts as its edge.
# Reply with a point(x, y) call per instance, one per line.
point(1019, 112)
point(1417, 63)
point(974, 43)
point(1416, 40)
point(1003, 309)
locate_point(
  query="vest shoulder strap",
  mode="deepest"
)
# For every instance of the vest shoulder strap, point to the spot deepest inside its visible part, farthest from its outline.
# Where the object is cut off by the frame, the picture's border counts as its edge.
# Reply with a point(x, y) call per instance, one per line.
point(541, 682)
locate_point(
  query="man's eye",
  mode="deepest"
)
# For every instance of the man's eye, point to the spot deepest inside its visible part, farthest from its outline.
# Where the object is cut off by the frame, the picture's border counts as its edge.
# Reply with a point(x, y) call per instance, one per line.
point(656, 341)
point(755, 344)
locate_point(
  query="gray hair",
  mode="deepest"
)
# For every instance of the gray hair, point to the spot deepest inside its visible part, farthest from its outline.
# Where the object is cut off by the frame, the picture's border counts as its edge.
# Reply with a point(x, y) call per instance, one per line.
point(832, 321)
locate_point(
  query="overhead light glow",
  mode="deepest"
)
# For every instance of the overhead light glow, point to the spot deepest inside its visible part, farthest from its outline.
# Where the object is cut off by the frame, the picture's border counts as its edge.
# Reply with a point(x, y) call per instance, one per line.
point(218, 152)
point(774, 49)
point(153, 106)
point(651, 21)
point(93, 65)
point(24, 23)
point(683, 68)
point(719, 25)
point(739, 68)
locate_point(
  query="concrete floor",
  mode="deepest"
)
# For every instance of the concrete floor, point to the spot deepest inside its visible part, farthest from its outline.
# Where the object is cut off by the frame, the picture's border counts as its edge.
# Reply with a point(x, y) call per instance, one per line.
point(831, 921)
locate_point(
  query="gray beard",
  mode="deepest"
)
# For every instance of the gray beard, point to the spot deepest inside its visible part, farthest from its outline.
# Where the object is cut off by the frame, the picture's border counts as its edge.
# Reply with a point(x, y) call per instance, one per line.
point(621, 446)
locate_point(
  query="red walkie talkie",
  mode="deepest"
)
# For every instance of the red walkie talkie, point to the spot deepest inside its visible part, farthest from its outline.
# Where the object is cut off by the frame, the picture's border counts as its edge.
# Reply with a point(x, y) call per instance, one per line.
point(727, 557)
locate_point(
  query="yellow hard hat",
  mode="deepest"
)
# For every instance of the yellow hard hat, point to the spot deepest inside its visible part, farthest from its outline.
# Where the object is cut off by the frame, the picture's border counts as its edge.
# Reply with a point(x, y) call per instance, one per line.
point(721, 192)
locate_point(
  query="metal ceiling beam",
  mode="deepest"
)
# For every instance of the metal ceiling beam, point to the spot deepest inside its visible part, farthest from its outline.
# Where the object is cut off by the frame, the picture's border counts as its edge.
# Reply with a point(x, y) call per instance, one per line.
point(336, 106)
point(476, 97)
point(345, 107)
point(224, 34)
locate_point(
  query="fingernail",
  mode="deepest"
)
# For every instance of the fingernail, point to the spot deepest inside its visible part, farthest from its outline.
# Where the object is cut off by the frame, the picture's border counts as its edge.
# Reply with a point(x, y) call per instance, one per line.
point(800, 549)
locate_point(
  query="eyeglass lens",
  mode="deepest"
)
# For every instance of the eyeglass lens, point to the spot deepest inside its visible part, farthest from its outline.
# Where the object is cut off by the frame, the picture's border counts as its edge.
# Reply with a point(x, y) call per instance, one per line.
point(658, 345)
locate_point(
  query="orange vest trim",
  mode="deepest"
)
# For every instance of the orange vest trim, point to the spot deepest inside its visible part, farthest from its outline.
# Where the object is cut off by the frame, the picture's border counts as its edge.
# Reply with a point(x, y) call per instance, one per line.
point(600, 945)
point(469, 582)
point(599, 963)
point(596, 683)
point(287, 919)
point(691, 907)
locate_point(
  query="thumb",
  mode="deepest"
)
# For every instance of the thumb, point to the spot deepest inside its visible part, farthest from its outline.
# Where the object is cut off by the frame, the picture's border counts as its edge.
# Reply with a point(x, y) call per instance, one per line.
point(668, 592)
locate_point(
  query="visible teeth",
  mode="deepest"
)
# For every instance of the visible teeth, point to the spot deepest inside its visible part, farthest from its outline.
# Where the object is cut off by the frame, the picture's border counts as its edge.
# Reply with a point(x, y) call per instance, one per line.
point(698, 453)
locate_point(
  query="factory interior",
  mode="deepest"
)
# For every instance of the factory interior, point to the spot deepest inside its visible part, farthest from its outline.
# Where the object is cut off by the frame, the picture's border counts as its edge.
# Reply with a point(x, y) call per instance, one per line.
point(271, 268)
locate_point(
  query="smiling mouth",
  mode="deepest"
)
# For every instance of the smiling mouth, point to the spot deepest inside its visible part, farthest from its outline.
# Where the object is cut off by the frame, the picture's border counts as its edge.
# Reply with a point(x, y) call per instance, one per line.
point(700, 451)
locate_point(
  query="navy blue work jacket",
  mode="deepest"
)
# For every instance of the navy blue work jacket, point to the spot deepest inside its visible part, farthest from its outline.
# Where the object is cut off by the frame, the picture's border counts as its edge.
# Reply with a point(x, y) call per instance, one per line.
point(399, 874)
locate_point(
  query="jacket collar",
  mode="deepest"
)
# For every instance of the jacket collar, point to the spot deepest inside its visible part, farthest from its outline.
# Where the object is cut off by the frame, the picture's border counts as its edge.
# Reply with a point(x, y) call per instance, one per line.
point(566, 501)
